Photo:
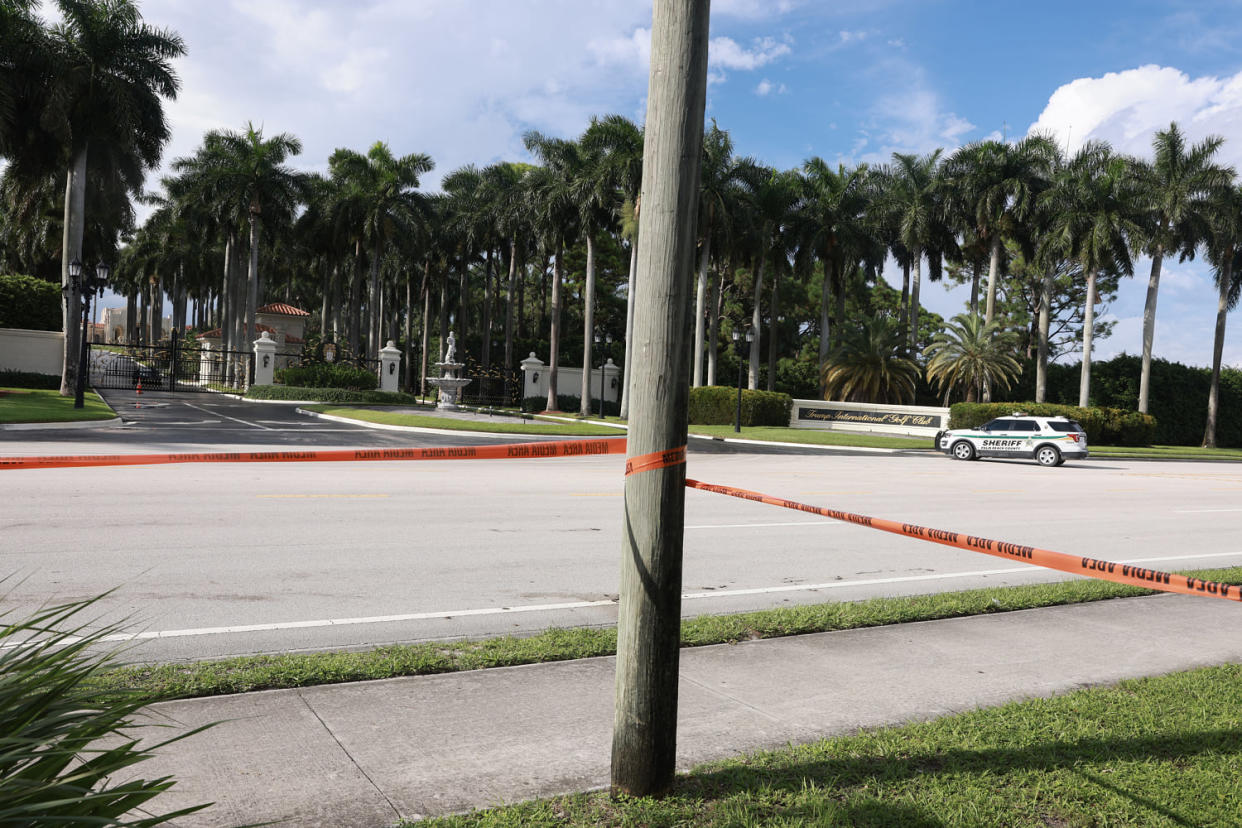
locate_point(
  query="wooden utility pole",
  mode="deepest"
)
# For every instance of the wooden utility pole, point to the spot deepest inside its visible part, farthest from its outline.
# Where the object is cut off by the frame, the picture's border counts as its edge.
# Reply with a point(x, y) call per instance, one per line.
point(644, 740)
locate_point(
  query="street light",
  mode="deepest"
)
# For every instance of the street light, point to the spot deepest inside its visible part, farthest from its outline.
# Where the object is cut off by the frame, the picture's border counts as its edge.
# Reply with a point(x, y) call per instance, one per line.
point(750, 337)
point(86, 284)
point(606, 339)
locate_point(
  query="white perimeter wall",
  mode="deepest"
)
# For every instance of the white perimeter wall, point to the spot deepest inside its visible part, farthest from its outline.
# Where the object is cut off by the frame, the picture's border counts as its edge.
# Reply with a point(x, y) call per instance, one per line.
point(40, 352)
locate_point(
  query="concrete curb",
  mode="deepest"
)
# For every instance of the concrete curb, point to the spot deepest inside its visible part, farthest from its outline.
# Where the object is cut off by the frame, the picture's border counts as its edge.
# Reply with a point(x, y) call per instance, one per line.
point(115, 421)
point(416, 429)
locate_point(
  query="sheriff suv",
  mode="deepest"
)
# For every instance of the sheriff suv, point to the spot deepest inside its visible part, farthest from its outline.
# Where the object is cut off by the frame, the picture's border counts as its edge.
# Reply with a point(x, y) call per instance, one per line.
point(1050, 440)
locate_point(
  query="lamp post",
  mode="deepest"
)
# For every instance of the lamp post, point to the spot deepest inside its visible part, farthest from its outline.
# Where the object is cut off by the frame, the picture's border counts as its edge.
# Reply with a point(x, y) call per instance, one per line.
point(750, 337)
point(86, 284)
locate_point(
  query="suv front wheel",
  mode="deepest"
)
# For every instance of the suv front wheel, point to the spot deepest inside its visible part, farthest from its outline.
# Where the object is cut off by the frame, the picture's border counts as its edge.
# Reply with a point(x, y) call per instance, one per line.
point(1048, 456)
point(963, 450)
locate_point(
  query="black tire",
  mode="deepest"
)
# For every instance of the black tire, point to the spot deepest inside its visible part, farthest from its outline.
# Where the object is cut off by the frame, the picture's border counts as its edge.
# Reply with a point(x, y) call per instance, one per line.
point(1048, 456)
point(936, 439)
point(963, 450)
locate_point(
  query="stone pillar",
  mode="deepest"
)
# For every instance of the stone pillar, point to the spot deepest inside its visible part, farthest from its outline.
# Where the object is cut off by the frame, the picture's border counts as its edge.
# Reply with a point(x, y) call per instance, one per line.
point(205, 372)
point(390, 364)
point(536, 384)
point(264, 360)
point(612, 381)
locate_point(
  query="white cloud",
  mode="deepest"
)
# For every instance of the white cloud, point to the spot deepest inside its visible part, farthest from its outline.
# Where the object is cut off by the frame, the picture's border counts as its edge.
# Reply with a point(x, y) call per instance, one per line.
point(851, 37)
point(766, 87)
point(1127, 108)
point(725, 53)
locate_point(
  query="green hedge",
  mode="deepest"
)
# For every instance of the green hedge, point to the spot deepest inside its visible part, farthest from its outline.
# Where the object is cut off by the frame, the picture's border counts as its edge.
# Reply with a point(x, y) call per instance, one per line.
point(327, 395)
point(717, 405)
point(326, 375)
point(1104, 426)
point(26, 379)
point(570, 404)
point(29, 303)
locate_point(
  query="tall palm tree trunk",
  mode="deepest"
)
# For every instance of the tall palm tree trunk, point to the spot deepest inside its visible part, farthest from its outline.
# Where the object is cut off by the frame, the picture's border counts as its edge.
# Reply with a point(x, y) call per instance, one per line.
point(713, 330)
point(825, 322)
point(443, 320)
point(756, 323)
point(629, 329)
point(409, 339)
point(325, 309)
point(425, 341)
point(1149, 326)
point(226, 297)
point(487, 310)
point(976, 267)
point(993, 268)
point(700, 308)
point(773, 316)
point(252, 282)
point(512, 287)
point(71, 250)
point(1088, 331)
point(375, 305)
point(1045, 319)
point(914, 299)
point(1218, 347)
point(554, 336)
point(588, 328)
point(903, 312)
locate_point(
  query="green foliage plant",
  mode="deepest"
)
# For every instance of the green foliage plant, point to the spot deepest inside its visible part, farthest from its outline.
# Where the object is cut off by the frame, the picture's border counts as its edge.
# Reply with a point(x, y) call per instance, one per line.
point(326, 375)
point(717, 405)
point(1104, 426)
point(301, 393)
point(869, 364)
point(29, 303)
point(972, 355)
point(28, 379)
point(61, 744)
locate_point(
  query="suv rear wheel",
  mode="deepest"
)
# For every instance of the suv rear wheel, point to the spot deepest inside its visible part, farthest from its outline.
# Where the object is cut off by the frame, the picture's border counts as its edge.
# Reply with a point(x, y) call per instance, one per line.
point(963, 450)
point(1048, 456)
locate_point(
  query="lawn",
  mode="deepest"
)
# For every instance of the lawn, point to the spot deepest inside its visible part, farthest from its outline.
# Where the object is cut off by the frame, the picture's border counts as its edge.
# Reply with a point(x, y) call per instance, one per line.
point(499, 425)
point(811, 436)
point(26, 405)
point(1147, 752)
point(267, 672)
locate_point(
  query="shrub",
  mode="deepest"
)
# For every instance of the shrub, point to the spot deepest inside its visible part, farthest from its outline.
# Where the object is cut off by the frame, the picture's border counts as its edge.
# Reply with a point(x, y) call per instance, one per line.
point(717, 405)
point(1104, 426)
point(53, 771)
point(328, 395)
point(26, 379)
point(30, 303)
point(570, 404)
point(328, 375)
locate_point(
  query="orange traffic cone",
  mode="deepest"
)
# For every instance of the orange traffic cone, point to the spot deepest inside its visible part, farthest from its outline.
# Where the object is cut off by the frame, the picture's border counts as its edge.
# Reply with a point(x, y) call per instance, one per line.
point(140, 388)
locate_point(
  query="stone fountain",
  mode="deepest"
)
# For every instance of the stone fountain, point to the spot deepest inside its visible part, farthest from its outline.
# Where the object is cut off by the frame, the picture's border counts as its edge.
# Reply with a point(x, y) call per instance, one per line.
point(449, 382)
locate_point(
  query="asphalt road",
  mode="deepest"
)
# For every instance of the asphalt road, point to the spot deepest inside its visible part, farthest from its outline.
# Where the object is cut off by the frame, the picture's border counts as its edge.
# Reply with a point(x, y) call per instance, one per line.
point(215, 560)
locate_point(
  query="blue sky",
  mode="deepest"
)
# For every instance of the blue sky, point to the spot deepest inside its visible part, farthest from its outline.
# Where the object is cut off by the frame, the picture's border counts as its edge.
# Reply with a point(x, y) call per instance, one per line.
point(462, 80)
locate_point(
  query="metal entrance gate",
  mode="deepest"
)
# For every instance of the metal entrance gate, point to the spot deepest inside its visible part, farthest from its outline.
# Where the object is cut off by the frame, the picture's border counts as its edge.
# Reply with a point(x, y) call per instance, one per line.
point(173, 366)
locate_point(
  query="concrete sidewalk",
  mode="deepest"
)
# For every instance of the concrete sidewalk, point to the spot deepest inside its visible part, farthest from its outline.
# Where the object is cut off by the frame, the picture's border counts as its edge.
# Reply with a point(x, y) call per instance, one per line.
point(371, 753)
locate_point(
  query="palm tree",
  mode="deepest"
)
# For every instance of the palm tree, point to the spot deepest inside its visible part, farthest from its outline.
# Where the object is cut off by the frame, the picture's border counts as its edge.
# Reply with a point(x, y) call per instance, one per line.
point(718, 179)
point(997, 184)
point(773, 195)
point(555, 213)
point(1093, 220)
point(243, 172)
point(971, 355)
point(1177, 185)
point(24, 70)
point(836, 229)
point(110, 75)
point(911, 200)
point(868, 364)
point(385, 186)
point(1225, 253)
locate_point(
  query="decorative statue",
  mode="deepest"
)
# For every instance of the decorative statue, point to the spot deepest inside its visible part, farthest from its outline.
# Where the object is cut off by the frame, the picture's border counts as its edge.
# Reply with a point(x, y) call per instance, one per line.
point(450, 353)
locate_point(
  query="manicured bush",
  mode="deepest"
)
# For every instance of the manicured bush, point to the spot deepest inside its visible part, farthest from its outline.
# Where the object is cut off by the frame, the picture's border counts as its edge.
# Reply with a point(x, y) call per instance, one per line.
point(29, 303)
point(328, 375)
point(717, 405)
point(26, 379)
point(1104, 426)
point(570, 404)
point(328, 395)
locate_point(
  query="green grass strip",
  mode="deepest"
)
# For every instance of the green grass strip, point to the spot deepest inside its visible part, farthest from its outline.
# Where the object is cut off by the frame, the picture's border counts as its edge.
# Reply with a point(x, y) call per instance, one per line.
point(26, 405)
point(1161, 751)
point(267, 672)
point(499, 425)
point(811, 436)
point(1167, 452)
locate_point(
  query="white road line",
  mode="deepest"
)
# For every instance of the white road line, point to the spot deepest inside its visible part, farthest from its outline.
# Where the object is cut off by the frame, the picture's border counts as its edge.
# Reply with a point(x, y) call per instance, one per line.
point(721, 593)
point(748, 525)
point(1199, 511)
point(227, 417)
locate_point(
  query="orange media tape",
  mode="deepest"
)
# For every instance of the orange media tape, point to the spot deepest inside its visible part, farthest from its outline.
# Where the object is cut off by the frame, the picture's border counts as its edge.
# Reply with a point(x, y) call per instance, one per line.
point(655, 460)
point(1075, 564)
point(560, 448)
